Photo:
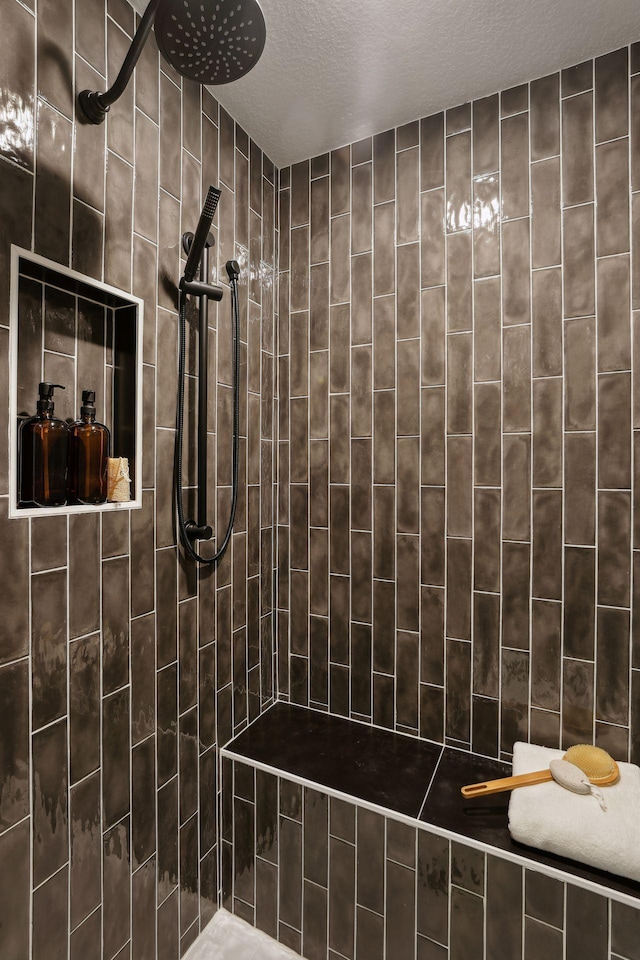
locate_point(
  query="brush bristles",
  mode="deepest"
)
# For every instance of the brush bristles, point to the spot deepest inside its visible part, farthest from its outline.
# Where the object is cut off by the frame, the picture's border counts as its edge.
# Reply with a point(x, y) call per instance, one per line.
point(595, 762)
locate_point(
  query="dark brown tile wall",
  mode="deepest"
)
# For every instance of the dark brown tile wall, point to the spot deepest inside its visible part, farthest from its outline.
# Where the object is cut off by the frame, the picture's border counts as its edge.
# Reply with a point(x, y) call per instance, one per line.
point(457, 406)
point(357, 885)
point(121, 667)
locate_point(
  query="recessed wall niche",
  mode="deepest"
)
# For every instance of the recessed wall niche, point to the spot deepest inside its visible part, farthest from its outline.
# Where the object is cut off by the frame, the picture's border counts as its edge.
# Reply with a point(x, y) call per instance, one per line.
point(68, 329)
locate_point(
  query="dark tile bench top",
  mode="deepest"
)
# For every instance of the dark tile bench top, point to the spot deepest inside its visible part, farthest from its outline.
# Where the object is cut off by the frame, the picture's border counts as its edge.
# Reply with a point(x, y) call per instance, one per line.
point(415, 778)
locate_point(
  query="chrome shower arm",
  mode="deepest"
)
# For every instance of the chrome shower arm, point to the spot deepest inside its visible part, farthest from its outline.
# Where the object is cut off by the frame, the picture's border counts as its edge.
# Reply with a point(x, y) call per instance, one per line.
point(94, 105)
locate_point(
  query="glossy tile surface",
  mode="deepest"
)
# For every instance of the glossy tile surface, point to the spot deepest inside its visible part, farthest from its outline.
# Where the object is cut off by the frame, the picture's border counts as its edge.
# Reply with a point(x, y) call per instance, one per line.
point(480, 420)
point(116, 666)
point(398, 887)
point(373, 765)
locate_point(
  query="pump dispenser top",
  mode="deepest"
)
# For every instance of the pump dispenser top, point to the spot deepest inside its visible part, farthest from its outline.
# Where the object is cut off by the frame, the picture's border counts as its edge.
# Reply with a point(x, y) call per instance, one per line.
point(45, 401)
point(88, 408)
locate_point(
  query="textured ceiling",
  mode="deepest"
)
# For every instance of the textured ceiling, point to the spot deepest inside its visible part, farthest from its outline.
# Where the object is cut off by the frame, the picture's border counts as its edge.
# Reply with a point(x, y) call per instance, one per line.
point(338, 70)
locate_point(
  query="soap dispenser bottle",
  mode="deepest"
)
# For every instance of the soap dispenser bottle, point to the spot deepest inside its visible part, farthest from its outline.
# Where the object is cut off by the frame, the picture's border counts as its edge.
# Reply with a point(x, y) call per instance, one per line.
point(43, 453)
point(89, 443)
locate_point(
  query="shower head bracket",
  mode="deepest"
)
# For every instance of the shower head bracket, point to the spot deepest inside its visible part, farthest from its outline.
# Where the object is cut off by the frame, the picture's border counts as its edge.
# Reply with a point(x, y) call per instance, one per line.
point(196, 532)
point(198, 288)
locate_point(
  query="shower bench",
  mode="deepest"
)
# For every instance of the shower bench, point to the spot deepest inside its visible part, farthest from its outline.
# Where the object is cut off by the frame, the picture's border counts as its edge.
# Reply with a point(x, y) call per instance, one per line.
point(343, 840)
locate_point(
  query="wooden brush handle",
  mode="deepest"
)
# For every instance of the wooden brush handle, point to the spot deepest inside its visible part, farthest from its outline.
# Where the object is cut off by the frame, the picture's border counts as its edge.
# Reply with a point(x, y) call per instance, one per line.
point(506, 783)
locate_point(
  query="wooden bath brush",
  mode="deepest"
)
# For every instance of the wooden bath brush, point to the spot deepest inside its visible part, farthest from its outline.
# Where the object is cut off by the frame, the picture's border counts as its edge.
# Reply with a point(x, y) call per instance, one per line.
point(596, 763)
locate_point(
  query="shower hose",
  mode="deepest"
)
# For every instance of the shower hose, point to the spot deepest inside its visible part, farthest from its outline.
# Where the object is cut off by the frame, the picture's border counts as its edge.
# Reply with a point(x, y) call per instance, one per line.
point(186, 542)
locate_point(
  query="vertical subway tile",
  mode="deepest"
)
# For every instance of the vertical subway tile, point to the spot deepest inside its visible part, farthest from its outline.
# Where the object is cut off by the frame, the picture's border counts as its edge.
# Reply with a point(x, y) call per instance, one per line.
point(546, 320)
point(612, 190)
point(50, 814)
point(432, 886)
point(341, 897)
point(467, 924)
point(547, 432)
point(361, 223)
point(53, 152)
point(319, 243)
point(432, 634)
point(514, 100)
point(458, 588)
point(487, 327)
point(545, 117)
point(84, 706)
point(577, 701)
point(586, 923)
point(504, 886)
point(115, 749)
point(85, 832)
point(514, 167)
point(580, 361)
point(458, 179)
point(290, 873)
point(459, 307)
point(15, 891)
point(624, 929)
point(614, 431)
point(515, 595)
point(432, 246)
point(614, 327)
point(400, 909)
point(407, 195)
point(545, 206)
point(577, 78)
point(577, 154)
point(14, 796)
point(611, 95)
point(384, 166)
point(51, 918)
point(517, 493)
point(432, 151)
point(433, 338)
point(49, 646)
point(485, 135)
point(580, 482)
point(486, 226)
point(116, 888)
point(579, 604)
point(458, 699)
point(613, 547)
point(486, 644)
point(547, 544)
point(612, 663)
point(545, 655)
point(487, 539)
point(515, 272)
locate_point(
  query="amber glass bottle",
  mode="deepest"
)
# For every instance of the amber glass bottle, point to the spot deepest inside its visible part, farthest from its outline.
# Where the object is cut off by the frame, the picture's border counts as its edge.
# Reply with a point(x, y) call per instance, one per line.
point(89, 444)
point(43, 454)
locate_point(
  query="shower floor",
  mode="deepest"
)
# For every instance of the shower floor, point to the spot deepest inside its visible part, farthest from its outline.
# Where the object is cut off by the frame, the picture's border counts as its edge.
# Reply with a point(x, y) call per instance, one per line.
point(229, 938)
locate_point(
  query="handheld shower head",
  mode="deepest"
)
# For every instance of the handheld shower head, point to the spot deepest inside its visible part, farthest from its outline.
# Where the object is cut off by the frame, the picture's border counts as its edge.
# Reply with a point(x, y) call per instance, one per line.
point(201, 234)
point(211, 41)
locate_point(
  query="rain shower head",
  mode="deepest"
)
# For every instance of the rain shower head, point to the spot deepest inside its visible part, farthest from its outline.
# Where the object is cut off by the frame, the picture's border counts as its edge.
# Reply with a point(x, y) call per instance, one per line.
point(211, 41)
point(208, 41)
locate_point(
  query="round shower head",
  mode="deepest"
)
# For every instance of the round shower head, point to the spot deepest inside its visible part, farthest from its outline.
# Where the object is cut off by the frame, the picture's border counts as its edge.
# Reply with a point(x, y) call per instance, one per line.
point(210, 41)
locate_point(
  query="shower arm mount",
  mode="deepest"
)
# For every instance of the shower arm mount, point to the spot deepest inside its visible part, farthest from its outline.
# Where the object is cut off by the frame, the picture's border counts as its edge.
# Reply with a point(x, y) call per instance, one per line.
point(95, 105)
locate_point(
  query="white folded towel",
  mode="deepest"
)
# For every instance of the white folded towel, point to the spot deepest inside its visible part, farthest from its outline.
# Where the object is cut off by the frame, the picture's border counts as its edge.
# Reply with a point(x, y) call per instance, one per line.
point(549, 817)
